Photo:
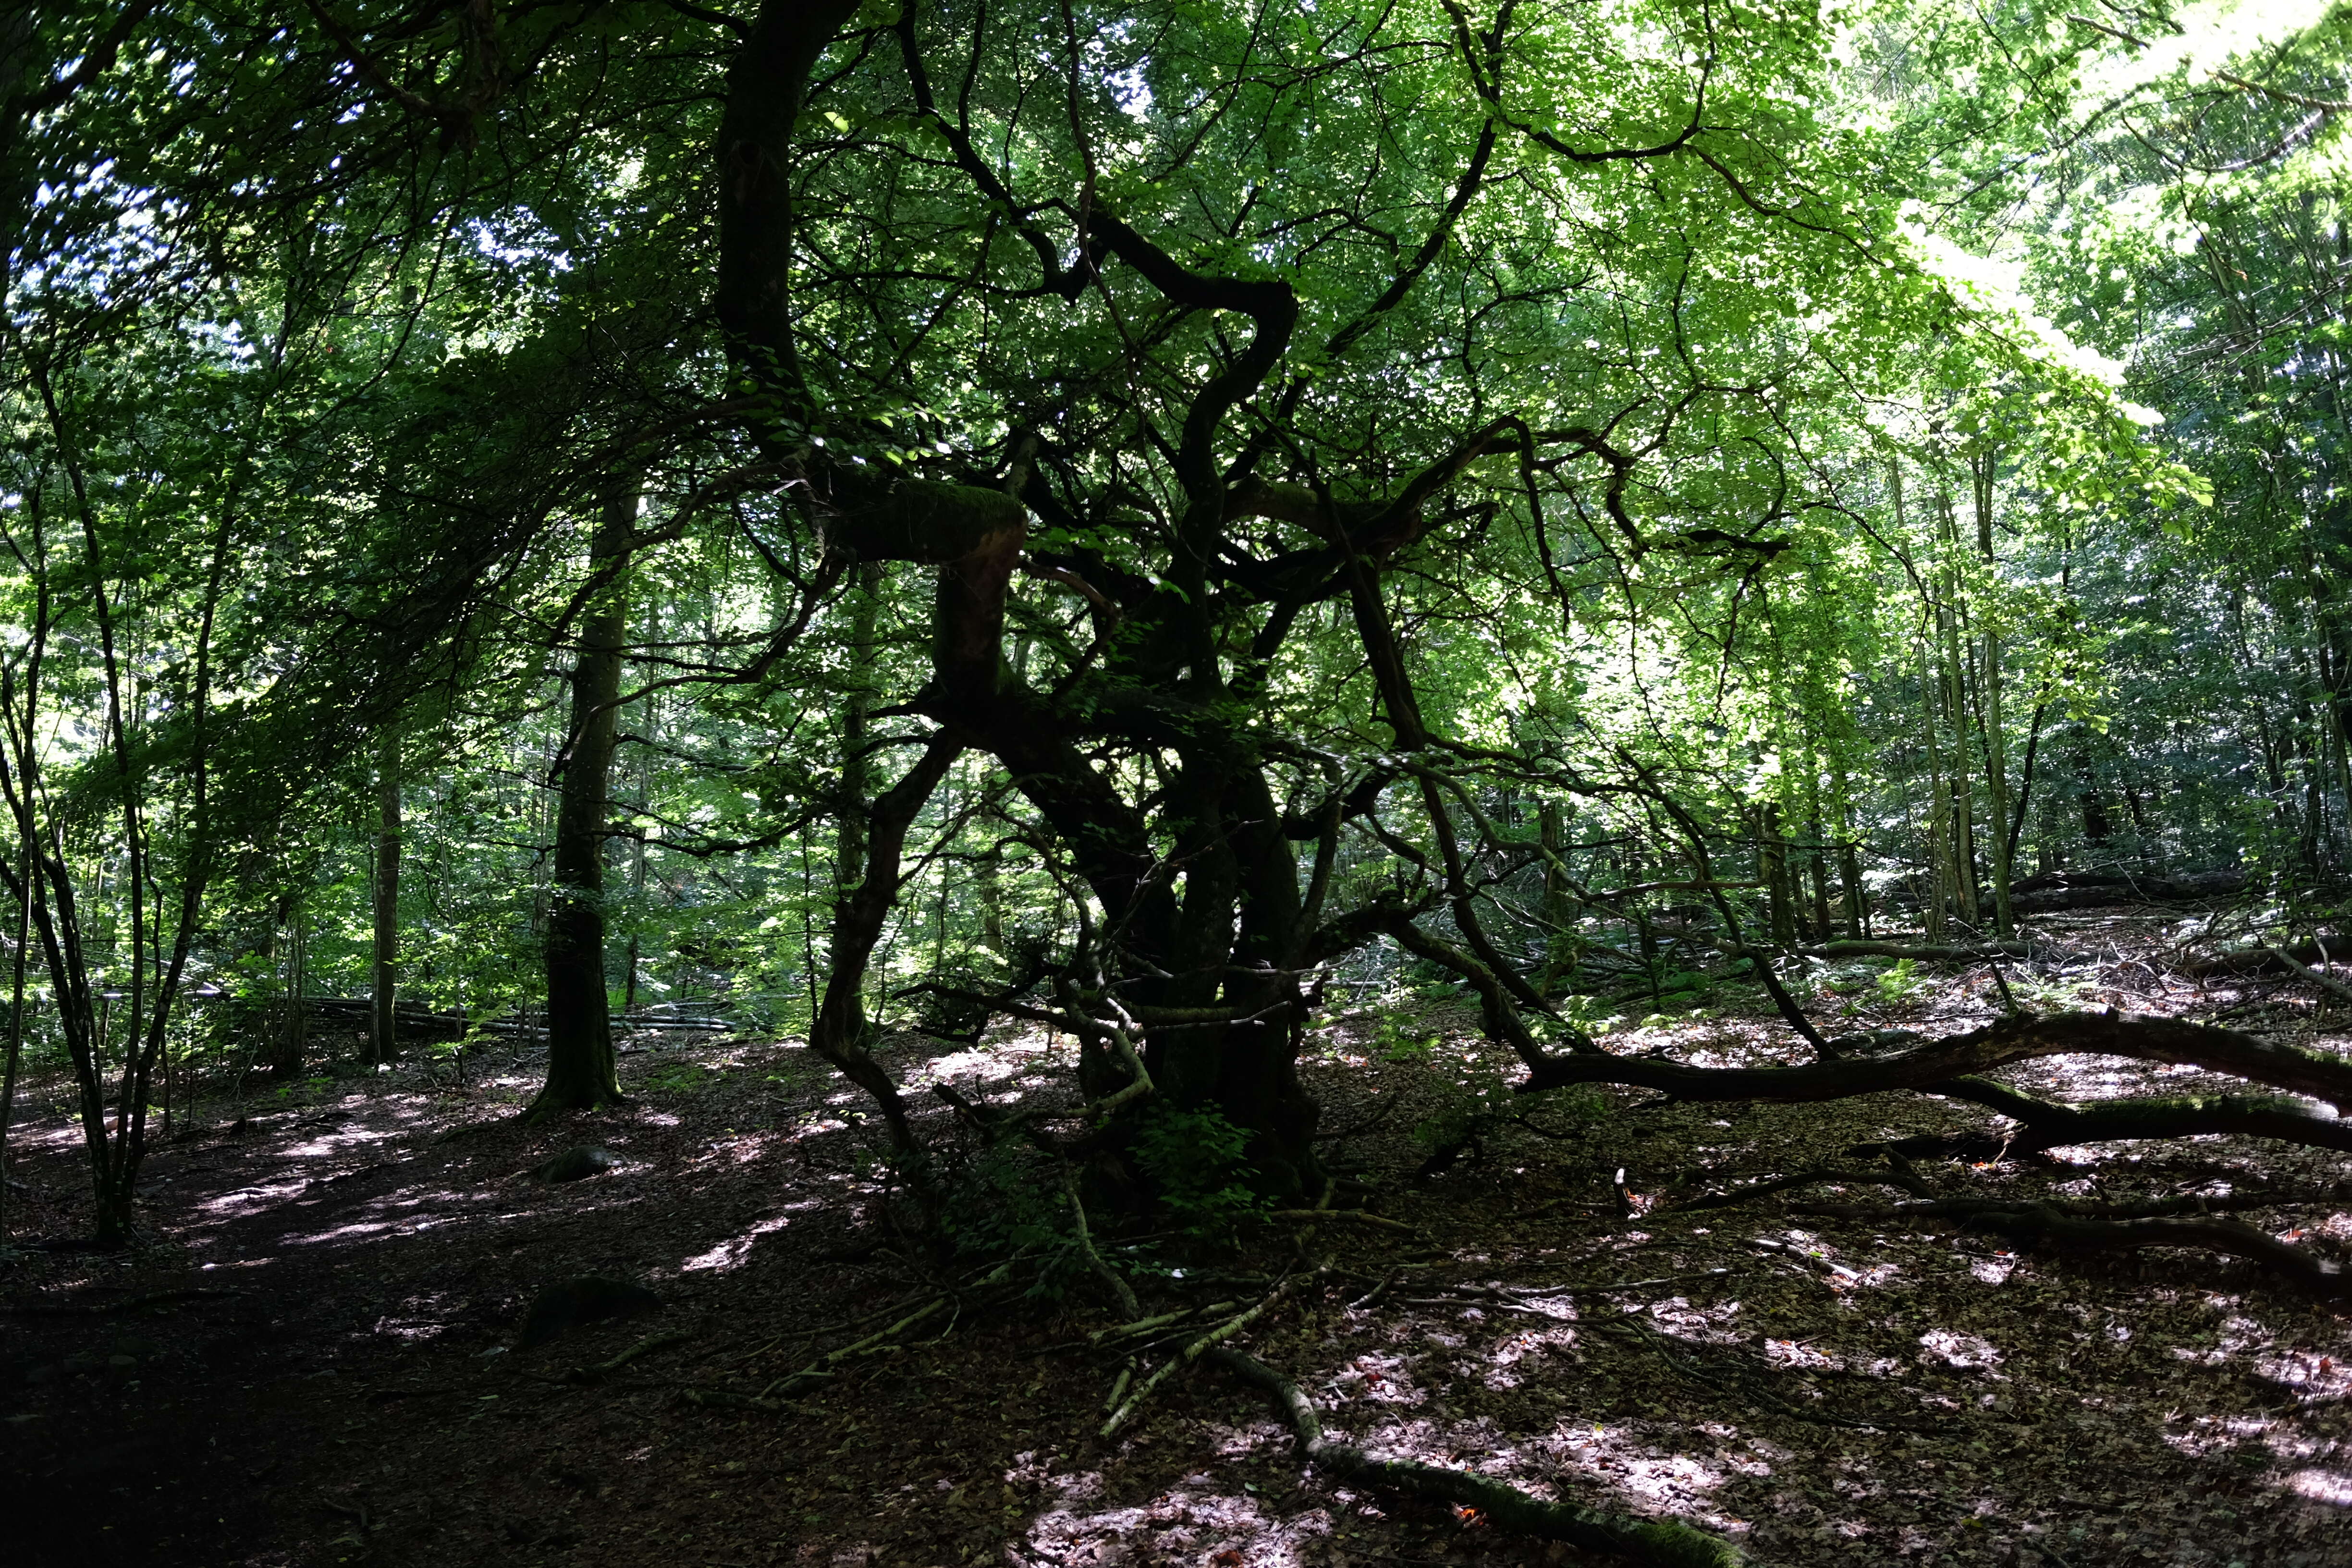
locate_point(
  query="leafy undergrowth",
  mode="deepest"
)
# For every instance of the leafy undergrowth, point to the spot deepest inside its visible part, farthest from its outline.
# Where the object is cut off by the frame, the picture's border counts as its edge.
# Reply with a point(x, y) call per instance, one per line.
point(1817, 1389)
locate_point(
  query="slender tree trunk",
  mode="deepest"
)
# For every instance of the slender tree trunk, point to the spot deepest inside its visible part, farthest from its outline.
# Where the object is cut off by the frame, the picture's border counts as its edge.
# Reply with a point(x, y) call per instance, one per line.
point(1961, 788)
point(383, 1044)
point(1857, 904)
point(1818, 855)
point(298, 1018)
point(1939, 814)
point(1560, 955)
point(23, 935)
point(1772, 870)
point(856, 765)
point(1989, 720)
point(991, 878)
point(841, 1031)
point(637, 874)
point(2097, 826)
point(582, 1072)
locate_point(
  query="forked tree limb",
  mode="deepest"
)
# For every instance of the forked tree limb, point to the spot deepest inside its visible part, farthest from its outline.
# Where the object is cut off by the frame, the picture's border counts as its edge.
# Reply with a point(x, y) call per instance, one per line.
point(2139, 1037)
point(1660, 1543)
point(2328, 983)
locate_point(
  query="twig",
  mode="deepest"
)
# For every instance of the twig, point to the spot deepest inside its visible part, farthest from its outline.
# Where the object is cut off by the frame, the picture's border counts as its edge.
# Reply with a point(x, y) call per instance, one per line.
point(1657, 1542)
point(1118, 1384)
point(1145, 1325)
point(820, 1369)
point(1375, 1293)
point(722, 1399)
point(857, 1323)
point(645, 1346)
point(1359, 1216)
point(1545, 1292)
point(2001, 981)
point(1515, 1300)
point(1200, 1347)
point(2326, 983)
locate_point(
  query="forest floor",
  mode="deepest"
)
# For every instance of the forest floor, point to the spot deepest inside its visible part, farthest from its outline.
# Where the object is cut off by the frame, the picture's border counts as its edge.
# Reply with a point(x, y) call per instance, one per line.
point(1820, 1390)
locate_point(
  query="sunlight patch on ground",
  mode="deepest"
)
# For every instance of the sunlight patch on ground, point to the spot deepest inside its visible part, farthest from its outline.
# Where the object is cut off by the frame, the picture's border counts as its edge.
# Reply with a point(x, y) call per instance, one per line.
point(1001, 1065)
point(1966, 1352)
point(1993, 1270)
point(1383, 1379)
point(247, 1202)
point(738, 1149)
point(350, 1232)
point(1190, 1521)
point(1591, 1458)
point(2309, 1373)
point(332, 1141)
point(2323, 1486)
point(731, 1253)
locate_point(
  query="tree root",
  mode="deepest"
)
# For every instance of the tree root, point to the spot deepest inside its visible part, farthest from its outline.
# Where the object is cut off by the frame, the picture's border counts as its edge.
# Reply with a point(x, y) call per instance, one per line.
point(2045, 1221)
point(1658, 1541)
point(2139, 1037)
point(2050, 1123)
point(1121, 1291)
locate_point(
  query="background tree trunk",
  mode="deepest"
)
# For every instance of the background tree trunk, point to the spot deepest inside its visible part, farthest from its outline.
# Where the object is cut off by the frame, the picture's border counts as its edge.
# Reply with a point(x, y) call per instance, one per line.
point(583, 1073)
point(1990, 723)
point(856, 765)
point(381, 1043)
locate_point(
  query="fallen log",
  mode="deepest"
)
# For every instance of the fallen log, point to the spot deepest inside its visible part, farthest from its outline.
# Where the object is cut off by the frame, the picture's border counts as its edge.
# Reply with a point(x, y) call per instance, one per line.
point(1660, 1542)
point(2073, 890)
point(1916, 951)
point(2139, 1037)
point(1920, 952)
point(2262, 960)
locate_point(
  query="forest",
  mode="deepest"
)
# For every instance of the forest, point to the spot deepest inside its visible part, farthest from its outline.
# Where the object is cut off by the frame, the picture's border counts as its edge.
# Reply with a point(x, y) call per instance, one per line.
point(1077, 782)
